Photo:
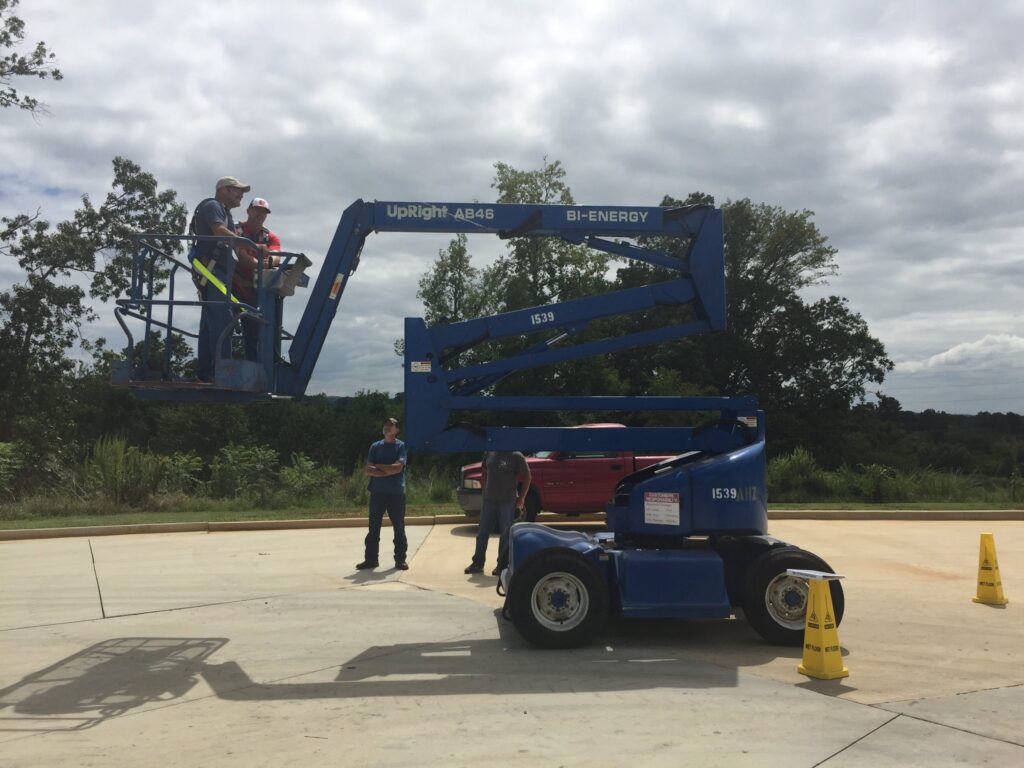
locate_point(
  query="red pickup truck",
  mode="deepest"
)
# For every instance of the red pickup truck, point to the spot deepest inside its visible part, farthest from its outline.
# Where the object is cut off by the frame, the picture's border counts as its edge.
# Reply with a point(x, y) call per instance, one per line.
point(565, 482)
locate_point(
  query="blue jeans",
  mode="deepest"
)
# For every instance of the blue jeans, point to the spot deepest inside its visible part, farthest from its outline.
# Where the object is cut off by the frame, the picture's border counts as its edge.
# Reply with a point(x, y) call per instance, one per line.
point(503, 512)
point(215, 318)
point(394, 505)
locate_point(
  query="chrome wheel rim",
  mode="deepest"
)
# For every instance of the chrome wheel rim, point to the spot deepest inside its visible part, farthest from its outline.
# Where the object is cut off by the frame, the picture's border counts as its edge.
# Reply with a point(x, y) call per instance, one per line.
point(786, 601)
point(560, 601)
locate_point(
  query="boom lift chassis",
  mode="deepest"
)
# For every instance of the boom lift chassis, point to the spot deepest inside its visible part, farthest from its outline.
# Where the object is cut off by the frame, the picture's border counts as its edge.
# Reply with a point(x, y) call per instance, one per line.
point(687, 538)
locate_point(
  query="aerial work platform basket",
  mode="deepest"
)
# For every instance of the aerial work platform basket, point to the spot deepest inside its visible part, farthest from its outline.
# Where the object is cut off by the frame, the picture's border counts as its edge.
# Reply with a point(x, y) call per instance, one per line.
point(158, 280)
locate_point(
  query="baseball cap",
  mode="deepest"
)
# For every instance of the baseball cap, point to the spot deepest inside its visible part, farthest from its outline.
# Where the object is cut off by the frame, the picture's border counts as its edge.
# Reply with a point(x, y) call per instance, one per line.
point(231, 181)
point(259, 202)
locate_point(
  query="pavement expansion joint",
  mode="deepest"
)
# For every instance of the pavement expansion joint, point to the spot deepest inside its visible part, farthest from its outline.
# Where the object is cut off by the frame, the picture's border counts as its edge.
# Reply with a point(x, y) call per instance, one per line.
point(418, 587)
point(890, 702)
point(960, 729)
point(200, 605)
point(992, 688)
point(857, 740)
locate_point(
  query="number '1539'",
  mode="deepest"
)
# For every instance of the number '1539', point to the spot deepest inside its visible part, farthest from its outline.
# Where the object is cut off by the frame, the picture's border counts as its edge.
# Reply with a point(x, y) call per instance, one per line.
point(748, 493)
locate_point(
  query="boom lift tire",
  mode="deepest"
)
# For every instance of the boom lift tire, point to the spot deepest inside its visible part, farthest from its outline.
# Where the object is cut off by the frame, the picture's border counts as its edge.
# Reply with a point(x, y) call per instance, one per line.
point(775, 603)
point(559, 600)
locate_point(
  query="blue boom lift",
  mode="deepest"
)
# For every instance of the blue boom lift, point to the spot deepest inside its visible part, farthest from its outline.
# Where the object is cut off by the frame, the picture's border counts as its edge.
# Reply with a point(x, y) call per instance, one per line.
point(687, 538)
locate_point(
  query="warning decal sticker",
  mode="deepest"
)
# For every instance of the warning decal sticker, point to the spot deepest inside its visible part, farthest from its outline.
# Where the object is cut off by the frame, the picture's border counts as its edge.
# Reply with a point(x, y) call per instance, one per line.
point(336, 286)
point(661, 508)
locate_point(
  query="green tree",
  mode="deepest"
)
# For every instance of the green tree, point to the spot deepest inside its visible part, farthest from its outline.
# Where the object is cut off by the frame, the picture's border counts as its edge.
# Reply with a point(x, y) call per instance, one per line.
point(182, 361)
point(38, 63)
point(535, 271)
point(42, 316)
point(451, 289)
point(793, 355)
point(800, 357)
point(532, 272)
point(540, 270)
point(201, 428)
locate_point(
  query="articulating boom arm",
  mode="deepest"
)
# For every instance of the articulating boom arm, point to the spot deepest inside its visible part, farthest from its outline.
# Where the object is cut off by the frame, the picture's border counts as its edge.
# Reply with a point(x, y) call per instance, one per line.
point(437, 384)
point(701, 282)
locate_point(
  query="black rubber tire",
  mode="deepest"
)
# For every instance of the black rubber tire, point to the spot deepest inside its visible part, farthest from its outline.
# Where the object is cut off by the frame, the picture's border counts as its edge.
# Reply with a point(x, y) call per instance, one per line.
point(768, 589)
point(558, 600)
point(531, 508)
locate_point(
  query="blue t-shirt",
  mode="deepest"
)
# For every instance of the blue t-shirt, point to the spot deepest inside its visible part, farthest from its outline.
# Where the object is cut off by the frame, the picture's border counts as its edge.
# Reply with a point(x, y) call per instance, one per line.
point(209, 213)
point(383, 452)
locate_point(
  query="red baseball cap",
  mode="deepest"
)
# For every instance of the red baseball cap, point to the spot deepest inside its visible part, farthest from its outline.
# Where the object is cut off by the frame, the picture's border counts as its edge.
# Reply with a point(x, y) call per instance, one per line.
point(259, 202)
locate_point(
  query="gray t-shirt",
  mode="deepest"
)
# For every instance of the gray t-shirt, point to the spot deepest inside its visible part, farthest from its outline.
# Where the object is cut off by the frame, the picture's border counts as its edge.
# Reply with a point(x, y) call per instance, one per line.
point(502, 469)
point(209, 213)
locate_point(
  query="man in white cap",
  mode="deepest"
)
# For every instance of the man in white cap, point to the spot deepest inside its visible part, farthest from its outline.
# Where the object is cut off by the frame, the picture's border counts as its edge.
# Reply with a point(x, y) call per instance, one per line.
point(215, 261)
point(245, 271)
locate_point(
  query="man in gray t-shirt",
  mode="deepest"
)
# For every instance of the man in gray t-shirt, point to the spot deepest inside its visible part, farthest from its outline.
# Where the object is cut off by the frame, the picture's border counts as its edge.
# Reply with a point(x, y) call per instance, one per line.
point(213, 217)
point(506, 481)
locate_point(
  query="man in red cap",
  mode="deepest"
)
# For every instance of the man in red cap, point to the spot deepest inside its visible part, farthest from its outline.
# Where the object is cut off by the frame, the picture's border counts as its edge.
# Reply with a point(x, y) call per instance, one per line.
point(248, 258)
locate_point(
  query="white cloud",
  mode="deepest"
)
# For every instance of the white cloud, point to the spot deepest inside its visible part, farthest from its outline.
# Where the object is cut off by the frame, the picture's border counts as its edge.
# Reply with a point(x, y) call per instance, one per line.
point(991, 352)
point(985, 374)
point(730, 114)
point(900, 129)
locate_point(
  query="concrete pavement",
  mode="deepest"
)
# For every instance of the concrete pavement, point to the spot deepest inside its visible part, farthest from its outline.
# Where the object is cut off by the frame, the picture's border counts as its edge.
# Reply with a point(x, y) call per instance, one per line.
point(267, 648)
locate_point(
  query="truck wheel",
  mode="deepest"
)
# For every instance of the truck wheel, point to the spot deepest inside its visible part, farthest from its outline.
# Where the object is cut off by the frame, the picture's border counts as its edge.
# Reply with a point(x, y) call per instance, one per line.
point(775, 603)
point(531, 508)
point(558, 600)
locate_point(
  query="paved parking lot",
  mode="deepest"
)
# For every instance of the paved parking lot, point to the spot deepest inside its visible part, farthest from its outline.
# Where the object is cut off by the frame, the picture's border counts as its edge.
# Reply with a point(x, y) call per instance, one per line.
point(267, 648)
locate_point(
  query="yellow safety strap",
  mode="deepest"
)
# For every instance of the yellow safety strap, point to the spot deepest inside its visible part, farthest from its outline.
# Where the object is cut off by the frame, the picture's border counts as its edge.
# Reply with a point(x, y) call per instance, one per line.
point(201, 268)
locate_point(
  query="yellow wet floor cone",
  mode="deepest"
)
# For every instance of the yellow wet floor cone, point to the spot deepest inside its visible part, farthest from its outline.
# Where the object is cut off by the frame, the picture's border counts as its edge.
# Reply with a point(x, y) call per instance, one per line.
point(990, 586)
point(822, 658)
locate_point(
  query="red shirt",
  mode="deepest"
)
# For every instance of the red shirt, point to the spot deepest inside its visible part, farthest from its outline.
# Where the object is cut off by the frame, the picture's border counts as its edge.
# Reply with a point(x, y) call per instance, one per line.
point(244, 284)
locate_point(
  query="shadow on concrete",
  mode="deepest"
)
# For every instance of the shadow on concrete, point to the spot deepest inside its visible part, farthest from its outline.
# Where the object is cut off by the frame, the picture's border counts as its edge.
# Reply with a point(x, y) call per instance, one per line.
point(103, 681)
point(828, 687)
point(485, 580)
point(116, 676)
point(507, 665)
point(732, 642)
point(729, 643)
point(374, 575)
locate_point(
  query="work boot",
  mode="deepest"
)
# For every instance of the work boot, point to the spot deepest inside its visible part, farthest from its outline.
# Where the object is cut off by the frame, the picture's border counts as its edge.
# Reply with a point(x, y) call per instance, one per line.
point(367, 564)
point(474, 568)
point(401, 565)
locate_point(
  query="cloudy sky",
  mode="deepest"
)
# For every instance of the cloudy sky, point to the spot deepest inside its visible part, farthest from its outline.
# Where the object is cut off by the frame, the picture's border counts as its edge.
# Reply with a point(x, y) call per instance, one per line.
point(900, 124)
